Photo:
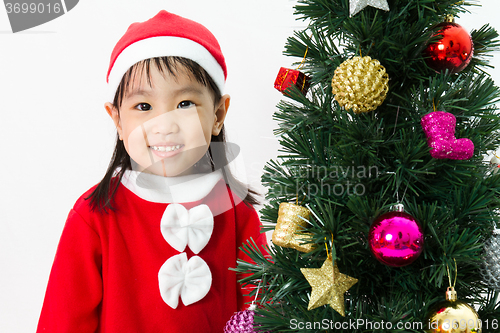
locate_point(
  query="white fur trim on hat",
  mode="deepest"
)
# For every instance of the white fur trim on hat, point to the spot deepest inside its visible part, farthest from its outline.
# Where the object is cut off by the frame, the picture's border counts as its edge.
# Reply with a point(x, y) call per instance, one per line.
point(160, 47)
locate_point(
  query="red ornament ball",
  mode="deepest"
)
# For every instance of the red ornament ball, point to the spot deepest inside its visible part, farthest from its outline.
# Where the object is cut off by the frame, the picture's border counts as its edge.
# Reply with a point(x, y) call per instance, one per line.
point(453, 51)
point(396, 239)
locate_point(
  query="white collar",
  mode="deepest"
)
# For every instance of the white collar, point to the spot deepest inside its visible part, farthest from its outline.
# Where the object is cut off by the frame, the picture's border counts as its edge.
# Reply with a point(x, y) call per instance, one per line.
point(178, 189)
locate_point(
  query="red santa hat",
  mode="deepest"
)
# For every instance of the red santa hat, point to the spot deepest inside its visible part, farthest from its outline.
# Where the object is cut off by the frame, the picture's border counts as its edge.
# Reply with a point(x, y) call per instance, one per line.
point(166, 34)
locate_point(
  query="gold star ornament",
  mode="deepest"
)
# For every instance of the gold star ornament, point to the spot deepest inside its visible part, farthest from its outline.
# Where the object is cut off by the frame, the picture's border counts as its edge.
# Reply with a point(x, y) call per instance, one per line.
point(355, 6)
point(328, 286)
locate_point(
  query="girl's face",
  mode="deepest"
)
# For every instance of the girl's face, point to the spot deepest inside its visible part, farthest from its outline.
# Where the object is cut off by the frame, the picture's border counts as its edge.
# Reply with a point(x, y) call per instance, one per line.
point(166, 127)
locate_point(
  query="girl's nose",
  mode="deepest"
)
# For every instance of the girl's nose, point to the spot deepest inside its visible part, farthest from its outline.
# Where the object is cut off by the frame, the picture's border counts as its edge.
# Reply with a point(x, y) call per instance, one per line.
point(165, 123)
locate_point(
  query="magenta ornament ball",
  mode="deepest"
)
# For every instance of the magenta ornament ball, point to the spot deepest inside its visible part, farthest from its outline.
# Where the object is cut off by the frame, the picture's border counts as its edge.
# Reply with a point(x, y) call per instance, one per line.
point(396, 239)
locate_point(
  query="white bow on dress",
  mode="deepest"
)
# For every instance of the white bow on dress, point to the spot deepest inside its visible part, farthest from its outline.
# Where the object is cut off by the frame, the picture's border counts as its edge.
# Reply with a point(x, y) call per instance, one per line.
point(190, 279)
point(181, 227)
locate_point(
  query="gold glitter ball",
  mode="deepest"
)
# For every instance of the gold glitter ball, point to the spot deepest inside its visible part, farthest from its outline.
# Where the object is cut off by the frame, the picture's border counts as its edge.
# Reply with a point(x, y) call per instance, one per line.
point(292, 219)
point(360, 84)
point(328, 286)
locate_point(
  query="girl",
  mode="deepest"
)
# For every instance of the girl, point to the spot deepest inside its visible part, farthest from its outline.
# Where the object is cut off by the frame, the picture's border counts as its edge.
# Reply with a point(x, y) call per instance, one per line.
point(149, 248)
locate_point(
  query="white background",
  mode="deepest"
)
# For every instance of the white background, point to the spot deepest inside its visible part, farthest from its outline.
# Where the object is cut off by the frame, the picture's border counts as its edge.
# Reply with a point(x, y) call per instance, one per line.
point(56, 138)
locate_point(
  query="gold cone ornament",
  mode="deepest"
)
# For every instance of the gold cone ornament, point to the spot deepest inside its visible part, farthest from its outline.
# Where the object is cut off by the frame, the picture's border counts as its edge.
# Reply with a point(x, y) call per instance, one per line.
point(452, 316)
point(360, 84)
point(328, 286)
point(291, 220)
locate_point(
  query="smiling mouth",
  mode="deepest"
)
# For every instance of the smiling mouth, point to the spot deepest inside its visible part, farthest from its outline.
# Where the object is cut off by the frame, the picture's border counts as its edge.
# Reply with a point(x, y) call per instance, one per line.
point(166, 148)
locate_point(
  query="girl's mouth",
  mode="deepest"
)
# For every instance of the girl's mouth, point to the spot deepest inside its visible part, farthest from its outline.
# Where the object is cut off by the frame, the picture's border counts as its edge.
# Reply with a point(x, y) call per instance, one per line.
point(166, 151)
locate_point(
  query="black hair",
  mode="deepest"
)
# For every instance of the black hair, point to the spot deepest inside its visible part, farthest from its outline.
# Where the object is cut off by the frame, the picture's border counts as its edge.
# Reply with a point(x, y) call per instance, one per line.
point(101, 198)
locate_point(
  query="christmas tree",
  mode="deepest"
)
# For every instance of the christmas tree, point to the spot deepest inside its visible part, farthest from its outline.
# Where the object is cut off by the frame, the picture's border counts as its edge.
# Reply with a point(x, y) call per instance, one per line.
point(392, 105)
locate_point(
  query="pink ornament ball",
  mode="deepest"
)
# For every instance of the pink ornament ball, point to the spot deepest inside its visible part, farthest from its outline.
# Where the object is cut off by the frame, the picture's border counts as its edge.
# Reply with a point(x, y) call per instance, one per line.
point(396, 239)
point(241, 322)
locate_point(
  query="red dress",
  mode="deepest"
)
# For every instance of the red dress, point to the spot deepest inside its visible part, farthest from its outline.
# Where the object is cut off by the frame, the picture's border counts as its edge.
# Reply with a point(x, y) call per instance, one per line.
point(133, 269)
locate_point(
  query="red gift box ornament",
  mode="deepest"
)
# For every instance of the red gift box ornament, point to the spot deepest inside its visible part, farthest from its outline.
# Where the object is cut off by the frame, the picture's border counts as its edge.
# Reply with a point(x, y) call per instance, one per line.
point(293, 77)
point(290, 77)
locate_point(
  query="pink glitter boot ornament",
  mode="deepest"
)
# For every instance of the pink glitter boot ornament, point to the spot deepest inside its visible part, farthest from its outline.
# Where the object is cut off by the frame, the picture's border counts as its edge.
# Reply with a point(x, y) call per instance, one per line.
point(439, 127)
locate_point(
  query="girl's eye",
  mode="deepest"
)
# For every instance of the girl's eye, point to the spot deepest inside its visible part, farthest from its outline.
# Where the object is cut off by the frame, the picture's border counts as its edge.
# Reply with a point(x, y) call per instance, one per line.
point(185, 105)
point(143, 107)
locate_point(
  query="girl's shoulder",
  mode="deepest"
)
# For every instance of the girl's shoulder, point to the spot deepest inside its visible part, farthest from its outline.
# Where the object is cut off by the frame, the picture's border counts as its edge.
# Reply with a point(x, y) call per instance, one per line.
point(245, 211)
point(86, 208)
point(84, 205)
